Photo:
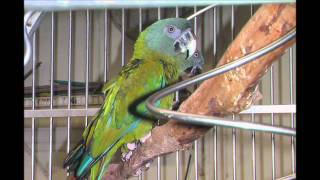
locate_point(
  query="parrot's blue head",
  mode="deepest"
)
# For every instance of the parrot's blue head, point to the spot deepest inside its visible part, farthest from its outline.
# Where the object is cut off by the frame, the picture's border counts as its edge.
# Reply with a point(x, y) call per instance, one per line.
point(172, 40)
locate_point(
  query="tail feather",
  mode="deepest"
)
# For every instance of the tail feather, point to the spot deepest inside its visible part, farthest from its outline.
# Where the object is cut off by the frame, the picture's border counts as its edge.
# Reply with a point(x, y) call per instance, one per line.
point(73, 166)
point(73, 158)
point(85, 163)
point(99, 168)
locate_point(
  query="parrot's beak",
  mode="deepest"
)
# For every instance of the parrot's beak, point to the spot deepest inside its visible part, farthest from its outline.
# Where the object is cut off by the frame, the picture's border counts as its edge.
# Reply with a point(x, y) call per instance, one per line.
point(186, 42)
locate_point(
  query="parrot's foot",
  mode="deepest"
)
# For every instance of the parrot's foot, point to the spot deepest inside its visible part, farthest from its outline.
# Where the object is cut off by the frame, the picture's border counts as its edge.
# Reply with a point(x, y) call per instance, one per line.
point(131, 146)
point(148, 165)
point(126, 156)
point(139, 171)
point(143, 139)
point(258, 97)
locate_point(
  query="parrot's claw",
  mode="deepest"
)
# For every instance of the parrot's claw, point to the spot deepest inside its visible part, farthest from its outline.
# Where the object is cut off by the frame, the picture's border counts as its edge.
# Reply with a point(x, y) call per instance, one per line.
point(148, 165)
point(139, 171)
point(143, 139)
point(258, 97)
point(131, 146)
point(126, 156)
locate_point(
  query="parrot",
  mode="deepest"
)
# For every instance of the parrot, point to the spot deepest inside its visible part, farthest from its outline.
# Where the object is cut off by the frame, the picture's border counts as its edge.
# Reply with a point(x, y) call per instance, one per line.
point(162, 52)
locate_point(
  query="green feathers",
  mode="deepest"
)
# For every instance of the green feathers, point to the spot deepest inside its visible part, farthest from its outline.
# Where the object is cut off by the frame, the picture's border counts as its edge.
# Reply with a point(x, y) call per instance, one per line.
point(123, 118)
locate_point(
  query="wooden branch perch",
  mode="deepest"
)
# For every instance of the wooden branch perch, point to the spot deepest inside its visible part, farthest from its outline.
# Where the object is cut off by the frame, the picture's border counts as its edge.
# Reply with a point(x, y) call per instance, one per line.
point(225, 94)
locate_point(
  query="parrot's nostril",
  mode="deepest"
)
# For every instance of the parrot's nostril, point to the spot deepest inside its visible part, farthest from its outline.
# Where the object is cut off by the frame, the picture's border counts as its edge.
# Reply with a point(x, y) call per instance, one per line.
point(177, 47)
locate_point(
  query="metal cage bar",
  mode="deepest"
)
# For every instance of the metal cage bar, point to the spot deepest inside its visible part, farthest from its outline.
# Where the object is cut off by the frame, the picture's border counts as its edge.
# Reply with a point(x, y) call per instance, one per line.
point(53, 27)
point(140, 29)
point(177, 100)
point(257, 109)
point(159, 158)
point(272, 123)
point(234, 140)
point(292, 114)
point(196, 141)
point(34, 59)
point(253, 135)
point(215, 60)
point(88, 59)
point(106, 45)
point(70, 57)
point(122, 37)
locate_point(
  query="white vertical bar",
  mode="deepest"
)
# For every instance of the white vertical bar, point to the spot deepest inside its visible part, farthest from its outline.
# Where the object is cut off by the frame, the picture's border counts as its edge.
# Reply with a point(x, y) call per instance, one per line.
point(69, 74)
point(195, 21)
point(51, 90)
point(232, 22)
point(233, 116)
point(159, 13)
point(88, 54)
point(196, 159)
point(158, 158)
point(177, 100)
point(214, 62)
point(106, 45)
point(215, 35)
point(253, 151)
point(215, 160)
point(234, 151)
point(158, 168)
point(140, 19)
point(122, 37)
point(195, 142)
point(253, 132)
point(292, 114)
point(177, 166)
point(272, 123)
point(140, 29)
point(33, 104)
point(177, 11)
point(69, 78)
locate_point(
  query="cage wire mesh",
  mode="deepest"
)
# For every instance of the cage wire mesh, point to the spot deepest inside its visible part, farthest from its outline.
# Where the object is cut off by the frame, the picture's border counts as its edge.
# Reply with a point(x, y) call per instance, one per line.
point(80, 50)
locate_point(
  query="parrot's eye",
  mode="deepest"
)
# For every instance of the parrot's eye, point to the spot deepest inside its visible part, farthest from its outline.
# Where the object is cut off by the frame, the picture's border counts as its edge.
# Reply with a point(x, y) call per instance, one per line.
point(196, 54)
point(171, 29)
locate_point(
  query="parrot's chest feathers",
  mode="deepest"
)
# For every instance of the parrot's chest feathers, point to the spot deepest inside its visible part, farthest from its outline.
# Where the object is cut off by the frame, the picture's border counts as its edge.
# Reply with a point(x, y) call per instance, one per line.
point(170, 72)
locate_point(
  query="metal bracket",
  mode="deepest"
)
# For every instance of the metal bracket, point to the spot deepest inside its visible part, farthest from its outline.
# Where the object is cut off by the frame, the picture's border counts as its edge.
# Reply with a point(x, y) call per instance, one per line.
point(32, 21)
point(40, 113)
point(218, 121)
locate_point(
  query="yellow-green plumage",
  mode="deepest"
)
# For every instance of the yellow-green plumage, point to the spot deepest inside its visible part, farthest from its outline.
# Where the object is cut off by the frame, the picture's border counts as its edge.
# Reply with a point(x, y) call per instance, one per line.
point(116, 124)
point(133, 82)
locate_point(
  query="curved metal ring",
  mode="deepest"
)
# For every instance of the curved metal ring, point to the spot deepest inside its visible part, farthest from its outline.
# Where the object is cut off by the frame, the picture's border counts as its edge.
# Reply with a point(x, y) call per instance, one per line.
point(218, 121)
point(28, 53)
